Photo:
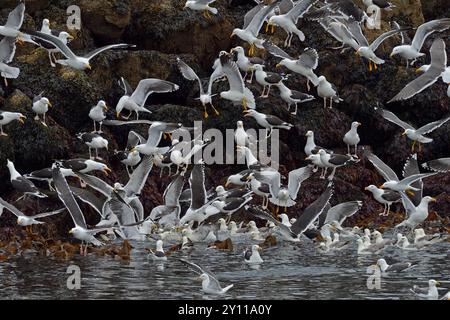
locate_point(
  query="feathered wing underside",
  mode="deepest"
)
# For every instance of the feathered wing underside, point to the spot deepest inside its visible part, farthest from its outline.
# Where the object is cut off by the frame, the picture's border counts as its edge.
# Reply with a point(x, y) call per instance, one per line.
point(147, 86)
point(197, 185)
point(66, 196)
point(296, 178)
point(383, 169)
point(15, 17)
point(428, 28)
point(139, 177)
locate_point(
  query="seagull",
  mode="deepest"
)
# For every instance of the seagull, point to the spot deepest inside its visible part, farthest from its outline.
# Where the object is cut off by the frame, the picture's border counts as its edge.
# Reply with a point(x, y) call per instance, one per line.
point(230, 205)
point(46, 175)
point(285, 195)
point(8, 117)
point(432, 73)
point(210, 284)
point(385, 197)
point(266, 79)
point(93, 141)
point(351, 138)
point(22, 184)
point(288, 21)
point(158, 254)
point(352, 30)
point(416, 135)
point(134, 101)
point(269, 122)
point(72, 60)
point(251, 256)
point(391, 178)
point(395, 267)
point(412, 52)
point(335, 216)
point(40, 107)
point(80, 231)
point(205, 97)
point(84, 166)
point(253, 21)
point(430, 293)
point(327, 90)
point(168, 214)
point(129, 158)
point(97, 114)
point(305, 65)
point(334, 161)
point(245, 63)
point(415, 214)
point(14, 23)
point(304, 220)
point(238, 92)
point(439, 165)
point(382, 4)
point(317, 162)
point(201, 5)
point(241, 137)
point(259, 188)
point(64, 36)
point(7, 52)
point(422, 239)
point(199, 208)
point(24, 220)
point(293, 97)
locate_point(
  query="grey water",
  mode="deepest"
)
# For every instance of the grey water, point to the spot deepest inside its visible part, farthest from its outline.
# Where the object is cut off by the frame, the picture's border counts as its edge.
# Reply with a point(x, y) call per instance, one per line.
point(289, 271)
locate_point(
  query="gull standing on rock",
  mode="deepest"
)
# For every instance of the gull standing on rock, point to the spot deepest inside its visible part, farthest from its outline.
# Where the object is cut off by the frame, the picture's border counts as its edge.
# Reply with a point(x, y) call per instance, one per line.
point(40, 107)
point(269, 122)
point(93, 141)
point(327, 90)
point(293, 97)
point(97, 114)
point(351, 138)
point(22, 184)
point(266, 79)
point(246, 64)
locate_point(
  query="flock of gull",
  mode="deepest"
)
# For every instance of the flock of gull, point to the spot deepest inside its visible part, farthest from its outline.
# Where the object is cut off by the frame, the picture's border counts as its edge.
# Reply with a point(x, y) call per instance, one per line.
point(208, 218)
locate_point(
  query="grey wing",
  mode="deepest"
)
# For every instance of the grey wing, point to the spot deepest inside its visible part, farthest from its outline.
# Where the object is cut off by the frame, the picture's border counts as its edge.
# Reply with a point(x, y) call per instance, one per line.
point(89, 198)
point(205, 1)
point(309, 58)
point(173, 191)
point(410, 168)
point(231, 71)
point(47, 214)
point(134, 139)
point(139, 177)
point(121, 123)
point(66, 196)
point(200, 270)
point(272, 180)
point(396, 120)
point(428, 28)
point(262, 214)
point(408, 180)
point(38, 97)
point(404, 35)
point(251, 14)
point(438, 65)
point(276, 51)
point(407, 204)
point(258, 20)
point(11, 208)
point(15, 17)
point(342, 211)
point(128, 90)
point(431, 126)
point(323, 216)
point(355, 29)
point(61, 46)
point(439, 165)
point(312, 212)
point(296, 177)
point(189, 73)
point(400, 266)
point(96, 184)
point(300, 9)
point(387, 173)
point(7, 49)
point(285, 6)
point(97, 51)
point(148, 86)
point(347, 37)
point(197, 184)
point(378, 41)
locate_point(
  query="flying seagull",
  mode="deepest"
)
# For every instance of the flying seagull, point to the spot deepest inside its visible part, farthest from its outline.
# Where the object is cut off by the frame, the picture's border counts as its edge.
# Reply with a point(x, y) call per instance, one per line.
point(72, 60)
point(24, 220)
point(205, 97)
point(7, 52)
point(433, 72)
point(134, 101)
point(416, 135)
point(412, 52)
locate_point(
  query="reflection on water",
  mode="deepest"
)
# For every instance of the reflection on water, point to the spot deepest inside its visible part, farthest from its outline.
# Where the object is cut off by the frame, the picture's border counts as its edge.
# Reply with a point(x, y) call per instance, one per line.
point(289, 272)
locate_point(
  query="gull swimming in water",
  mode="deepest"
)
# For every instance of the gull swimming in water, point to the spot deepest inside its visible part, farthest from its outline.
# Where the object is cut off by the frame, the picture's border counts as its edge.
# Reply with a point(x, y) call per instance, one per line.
point(252, 256)
point(210, 284)
point(430, 293)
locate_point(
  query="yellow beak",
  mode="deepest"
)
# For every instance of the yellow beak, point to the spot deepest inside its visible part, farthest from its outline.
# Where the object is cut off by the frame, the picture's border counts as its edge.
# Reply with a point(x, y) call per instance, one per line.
point(404, 133)
point(117, 114)
point(89, 67)
point(50, 104)
point(433, 199)
point(278, 65)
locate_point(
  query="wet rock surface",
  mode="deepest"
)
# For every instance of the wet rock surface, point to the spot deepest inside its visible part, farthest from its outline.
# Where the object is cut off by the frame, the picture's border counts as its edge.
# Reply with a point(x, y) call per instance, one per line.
point(163, 31)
